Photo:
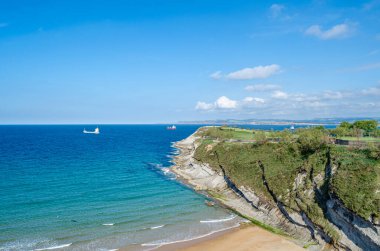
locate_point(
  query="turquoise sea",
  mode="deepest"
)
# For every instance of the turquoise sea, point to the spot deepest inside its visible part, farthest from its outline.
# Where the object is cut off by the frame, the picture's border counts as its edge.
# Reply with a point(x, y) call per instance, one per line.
point(61, 189)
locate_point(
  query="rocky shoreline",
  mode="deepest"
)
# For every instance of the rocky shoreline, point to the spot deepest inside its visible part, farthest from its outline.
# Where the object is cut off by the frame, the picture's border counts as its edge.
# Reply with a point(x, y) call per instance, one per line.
point(245, 202)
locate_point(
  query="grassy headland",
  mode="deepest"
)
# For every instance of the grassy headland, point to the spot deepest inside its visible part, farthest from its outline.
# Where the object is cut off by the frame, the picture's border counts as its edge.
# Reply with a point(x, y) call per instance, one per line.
point(301, 170)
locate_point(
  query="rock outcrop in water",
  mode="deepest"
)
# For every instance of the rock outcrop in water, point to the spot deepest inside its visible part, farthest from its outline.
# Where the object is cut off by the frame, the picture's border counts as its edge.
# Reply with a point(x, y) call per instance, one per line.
point(338, 228)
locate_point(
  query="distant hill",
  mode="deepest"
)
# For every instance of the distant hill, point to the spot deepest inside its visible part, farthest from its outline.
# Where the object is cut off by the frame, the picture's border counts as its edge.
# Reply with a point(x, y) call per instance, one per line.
point(317, 121)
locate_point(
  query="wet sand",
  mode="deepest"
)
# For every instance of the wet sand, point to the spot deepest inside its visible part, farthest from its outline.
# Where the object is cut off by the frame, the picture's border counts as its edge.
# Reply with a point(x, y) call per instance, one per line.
point(245, 238)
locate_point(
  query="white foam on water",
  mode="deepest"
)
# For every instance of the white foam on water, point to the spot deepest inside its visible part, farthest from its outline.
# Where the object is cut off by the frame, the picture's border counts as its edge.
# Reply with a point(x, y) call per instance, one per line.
point(108, 224)
point(165, 170)
point(168, 173)
point(157, 165)
point(155, 227)
point(23, 244)
point(220, 220)
point(159, 244)
point(54, 247)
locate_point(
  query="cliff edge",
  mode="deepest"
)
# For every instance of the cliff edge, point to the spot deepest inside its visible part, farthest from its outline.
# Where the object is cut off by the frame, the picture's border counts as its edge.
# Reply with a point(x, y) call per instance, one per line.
point(277, 185)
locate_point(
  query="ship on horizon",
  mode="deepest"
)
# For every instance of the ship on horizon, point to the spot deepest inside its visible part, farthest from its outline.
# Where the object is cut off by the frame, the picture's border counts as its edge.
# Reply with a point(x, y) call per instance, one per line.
point(173, 127)
point(96, 131)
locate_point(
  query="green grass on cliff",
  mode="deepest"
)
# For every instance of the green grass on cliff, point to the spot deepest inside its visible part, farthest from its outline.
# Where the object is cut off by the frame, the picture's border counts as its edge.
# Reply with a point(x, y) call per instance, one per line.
point(225, 133)
point(356, 181)
point(305, 157)
point(228, 133)
point(240, 161)
point(367, 139)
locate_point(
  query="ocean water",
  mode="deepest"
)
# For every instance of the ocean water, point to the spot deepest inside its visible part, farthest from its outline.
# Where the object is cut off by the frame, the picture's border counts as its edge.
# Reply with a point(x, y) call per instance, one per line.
point(61, 189)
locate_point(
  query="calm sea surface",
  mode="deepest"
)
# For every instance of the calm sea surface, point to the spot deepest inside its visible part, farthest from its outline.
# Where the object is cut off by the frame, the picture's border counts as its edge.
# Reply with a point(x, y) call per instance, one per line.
point(61, 189)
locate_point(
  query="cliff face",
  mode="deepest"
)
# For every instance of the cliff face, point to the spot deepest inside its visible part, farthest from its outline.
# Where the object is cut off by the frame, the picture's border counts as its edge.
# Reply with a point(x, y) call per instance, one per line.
point(307, 209)
point(200, 176)
point(364, 234)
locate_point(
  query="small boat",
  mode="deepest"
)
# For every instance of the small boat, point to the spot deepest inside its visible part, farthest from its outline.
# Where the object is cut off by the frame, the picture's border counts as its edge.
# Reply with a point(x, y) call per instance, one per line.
point(96, 131)
point(173, 127)
point(292, 127)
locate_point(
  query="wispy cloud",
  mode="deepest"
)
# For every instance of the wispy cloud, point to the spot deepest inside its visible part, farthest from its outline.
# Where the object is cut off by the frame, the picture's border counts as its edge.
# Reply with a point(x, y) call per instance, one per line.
point(280, 95)
point(276, 10)
point(337, 31)
point(374, 52)
point(372, 91)
point(370, 5)
point(332, 95)
point(255, 72)
point(253, 100)
point(204, 106)
point(261, 87)
point(216, 75)
point(367, 67)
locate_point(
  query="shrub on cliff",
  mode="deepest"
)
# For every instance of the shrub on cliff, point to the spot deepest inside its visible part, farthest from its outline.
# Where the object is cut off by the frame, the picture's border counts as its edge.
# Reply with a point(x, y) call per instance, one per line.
point(311, 140)
point(356, 180)
point(260, 137)
point(373, 151)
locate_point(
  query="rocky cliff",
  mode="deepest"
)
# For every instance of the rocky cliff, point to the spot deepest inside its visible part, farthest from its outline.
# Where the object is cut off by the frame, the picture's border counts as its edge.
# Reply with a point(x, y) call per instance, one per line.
point(308, 210)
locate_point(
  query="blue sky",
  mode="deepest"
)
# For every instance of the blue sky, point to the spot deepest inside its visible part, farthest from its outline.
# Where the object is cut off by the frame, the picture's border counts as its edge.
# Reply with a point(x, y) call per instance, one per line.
point(166, 61)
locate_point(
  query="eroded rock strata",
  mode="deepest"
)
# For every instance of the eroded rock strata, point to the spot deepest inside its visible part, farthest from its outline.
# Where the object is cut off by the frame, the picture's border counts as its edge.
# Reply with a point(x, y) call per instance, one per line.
point(351, 232)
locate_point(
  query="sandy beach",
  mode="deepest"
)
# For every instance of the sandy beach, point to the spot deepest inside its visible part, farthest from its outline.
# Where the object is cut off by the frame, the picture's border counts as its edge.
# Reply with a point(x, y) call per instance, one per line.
point(247, 237)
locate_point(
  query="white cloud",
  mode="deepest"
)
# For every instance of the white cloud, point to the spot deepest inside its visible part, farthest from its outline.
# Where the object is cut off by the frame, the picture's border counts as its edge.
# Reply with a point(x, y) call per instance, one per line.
point(280, 95)
point(276, 10)
point(337, 31)
point(261, 87)
point(248, 99)
point(332, 95)
point(216, 75)
point(225, 103)
point(204, 106)
point(255, 72)
point(372, 91)
point(221, 103)
point(253, 100)
point(314, 104)
point(301, 97)
point(281, 104)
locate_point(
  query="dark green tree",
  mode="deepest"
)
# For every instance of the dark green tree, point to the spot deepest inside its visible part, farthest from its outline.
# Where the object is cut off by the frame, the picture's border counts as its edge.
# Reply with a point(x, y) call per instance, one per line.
point(345, 124)
point(367, 126)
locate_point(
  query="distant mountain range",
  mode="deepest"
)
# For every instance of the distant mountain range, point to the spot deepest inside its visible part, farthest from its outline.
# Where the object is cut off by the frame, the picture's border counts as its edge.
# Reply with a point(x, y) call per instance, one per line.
point(317, 121)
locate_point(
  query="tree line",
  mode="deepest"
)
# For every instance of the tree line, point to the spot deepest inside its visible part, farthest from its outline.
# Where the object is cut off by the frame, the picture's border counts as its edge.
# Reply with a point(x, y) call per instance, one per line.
point(360, 128)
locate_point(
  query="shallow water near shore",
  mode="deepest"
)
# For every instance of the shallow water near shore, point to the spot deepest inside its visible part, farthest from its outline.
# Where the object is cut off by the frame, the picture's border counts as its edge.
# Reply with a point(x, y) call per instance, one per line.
point(61, 189)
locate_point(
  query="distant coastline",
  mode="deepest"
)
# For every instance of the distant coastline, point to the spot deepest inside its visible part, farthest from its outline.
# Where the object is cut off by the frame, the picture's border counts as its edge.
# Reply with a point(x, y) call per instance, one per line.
point(303, 122)
point(256, 123)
